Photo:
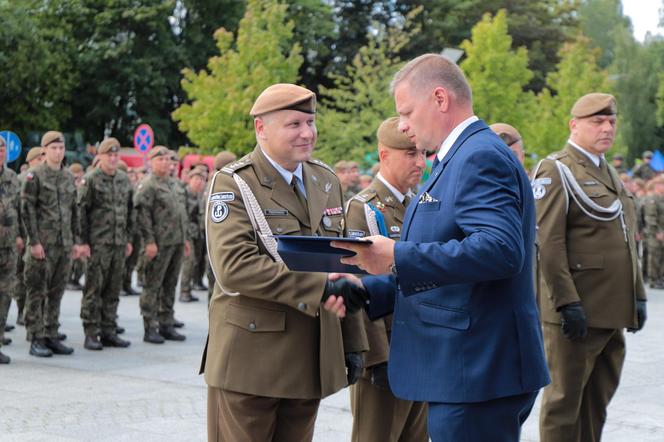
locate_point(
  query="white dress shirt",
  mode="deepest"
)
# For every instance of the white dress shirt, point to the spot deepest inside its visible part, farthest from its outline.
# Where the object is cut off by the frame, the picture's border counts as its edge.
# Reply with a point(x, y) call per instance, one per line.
point(452, 137)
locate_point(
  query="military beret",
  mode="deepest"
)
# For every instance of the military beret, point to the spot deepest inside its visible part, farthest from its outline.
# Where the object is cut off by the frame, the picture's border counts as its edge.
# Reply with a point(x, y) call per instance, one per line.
point(618, 157)
point(75, 168)
point(389, 135)
point(284, 96)
point(159, 151)
point(223, 158)
point(506, 133)
point(33, 153)
point(122, 166)
point(594, 104)
point(647, 154)
point(52, 136)
point(199, 172)
point(109, 145)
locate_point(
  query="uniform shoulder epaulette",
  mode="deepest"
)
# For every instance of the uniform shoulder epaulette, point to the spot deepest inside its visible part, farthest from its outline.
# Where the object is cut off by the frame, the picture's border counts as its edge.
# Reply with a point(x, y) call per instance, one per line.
point(557, 155)
point(365, 196)
point(321, 164)
point(233, 167)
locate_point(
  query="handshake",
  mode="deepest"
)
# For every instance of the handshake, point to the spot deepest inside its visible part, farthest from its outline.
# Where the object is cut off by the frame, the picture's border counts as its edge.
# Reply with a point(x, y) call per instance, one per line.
point(344, 294)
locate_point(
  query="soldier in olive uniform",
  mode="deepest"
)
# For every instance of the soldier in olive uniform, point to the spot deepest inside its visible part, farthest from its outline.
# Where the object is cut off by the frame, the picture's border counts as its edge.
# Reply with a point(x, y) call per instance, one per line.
point(79, 264)
point(48, 209)
point(272, 351)
point(137, 177)
point(653, 231)
point(590, 286)
point(160, 215)
point(105, 207)
point(34, 158)
point(378, 210)
point(644, 170)
point(194, 214)
point(11, 242)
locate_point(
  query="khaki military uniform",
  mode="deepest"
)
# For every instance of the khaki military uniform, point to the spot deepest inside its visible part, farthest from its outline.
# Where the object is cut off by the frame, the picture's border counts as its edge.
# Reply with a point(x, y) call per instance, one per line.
point(106, 210)
point(653, 218)
point(161, 217)
point(593, 262)
point(48, 208)
point(9, 230)
point(377, 414)
point(194, 215)
point(272, 351)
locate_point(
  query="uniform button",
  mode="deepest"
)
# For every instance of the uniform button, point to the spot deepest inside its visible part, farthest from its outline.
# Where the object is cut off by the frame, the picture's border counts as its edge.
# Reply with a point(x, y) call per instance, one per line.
point(578, 266)
point(279, 230)
point(302, 306)
point(252, 326)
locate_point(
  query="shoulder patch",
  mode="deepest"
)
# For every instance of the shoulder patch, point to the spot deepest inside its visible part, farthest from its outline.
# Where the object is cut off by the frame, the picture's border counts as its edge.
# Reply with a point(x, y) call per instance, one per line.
point(321, 164)
point(231, 168)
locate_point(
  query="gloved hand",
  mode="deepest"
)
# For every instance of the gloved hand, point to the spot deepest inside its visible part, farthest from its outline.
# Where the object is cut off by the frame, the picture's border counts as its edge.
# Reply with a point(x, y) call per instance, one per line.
point(355, 297)
point(379, 376)
point(573, 321)
point(641, 316)
point(354, 365)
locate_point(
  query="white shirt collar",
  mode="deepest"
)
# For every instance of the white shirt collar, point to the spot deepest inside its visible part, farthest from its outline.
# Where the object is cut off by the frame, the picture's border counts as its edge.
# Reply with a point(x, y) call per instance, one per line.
point(591, 156)
point(286, 174)
point(400, 196)
point(452, 137)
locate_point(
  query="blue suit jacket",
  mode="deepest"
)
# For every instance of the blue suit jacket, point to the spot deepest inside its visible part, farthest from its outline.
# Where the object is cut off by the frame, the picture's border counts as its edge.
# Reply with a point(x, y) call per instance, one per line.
point(466, 327)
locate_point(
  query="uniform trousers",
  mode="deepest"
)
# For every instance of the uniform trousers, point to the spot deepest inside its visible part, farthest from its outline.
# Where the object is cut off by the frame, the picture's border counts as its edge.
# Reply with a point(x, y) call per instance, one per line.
point(18, 293)
point(161, 278)
point(101, 294)
point(7, 271)
point(381, 417)
point(45, 281)
point(584, 377)
point(239, 417)
point(190, 273)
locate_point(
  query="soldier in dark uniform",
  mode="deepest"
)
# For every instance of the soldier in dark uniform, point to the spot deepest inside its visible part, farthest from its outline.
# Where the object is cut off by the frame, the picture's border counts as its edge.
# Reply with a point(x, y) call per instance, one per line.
point(106, 212)
point(136, 176)
point(194, 214)
point(590, 287)
point(379, 210)
point(644, 170)
point(79, 264)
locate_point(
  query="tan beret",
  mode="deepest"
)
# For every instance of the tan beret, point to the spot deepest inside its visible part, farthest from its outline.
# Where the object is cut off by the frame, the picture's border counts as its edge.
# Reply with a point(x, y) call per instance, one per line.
point(75, 168)
point(52, 136)
point(197, 171)
point(223, 158)
point(595, 104)
point(109, 145)
point(506, 133)
point(159, 151)
point(389, 135)
point(284, 96)
point(33, 153)
point(123, 166)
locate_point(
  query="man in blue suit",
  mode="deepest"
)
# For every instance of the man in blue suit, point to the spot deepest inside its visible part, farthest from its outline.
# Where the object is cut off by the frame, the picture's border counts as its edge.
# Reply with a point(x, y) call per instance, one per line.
point(466, 336)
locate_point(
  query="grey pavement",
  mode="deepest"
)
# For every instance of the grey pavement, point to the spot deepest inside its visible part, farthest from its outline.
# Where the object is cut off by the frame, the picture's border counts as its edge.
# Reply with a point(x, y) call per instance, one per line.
point(154, 393)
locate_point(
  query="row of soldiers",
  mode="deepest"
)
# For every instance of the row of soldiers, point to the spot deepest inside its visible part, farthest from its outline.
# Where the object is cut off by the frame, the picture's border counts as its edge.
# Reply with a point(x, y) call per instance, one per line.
point(51, 218)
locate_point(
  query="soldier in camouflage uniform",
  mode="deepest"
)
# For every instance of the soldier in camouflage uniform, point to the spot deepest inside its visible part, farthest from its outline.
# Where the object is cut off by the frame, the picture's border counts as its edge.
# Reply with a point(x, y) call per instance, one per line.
point(34, 158)
point(105, 206)
point(193, 204)
point(78, 265)
point(160, 214)
point(136, 176)
point(48, 208)
point(10, 240)
point(653, 217)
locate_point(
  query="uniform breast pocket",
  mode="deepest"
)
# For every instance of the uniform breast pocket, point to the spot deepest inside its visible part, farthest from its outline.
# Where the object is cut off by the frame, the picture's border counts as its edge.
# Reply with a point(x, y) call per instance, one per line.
point(256, 320)
point(283, 225)
point(333, 225)
point(48, 195)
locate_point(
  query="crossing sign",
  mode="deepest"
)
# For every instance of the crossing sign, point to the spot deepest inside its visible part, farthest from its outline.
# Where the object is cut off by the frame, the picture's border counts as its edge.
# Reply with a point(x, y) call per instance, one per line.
point(13, 143)
point(143, 138)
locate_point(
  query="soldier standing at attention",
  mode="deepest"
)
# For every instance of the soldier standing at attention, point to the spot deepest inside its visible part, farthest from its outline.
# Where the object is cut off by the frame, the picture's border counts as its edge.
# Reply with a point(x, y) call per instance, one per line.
point(78, 265)
point(379, 210)
point(136, 177)
point(162, 219)
point(194, 191)
point(272, 351)
point(48, 208)
point(34, 158)
point(105, 207)
point(653, 231)
point(11, 242)
point(590, 287)
point(644, 170)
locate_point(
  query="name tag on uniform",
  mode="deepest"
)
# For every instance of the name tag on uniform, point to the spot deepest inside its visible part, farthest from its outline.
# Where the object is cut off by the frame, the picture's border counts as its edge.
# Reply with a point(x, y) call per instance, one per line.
point(222, 196)
point(276, 212)
point(356, 233)
point(589, 183)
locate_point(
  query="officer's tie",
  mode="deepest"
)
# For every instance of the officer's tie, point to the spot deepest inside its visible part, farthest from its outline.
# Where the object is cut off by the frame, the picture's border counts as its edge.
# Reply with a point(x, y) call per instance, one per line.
point(295, 184)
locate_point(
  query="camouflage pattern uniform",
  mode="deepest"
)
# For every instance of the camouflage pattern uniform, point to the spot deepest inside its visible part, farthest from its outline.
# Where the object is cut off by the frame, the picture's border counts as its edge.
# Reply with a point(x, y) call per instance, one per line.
point(653, 214)
point(105, 206)
point(194, 215)
point(162, 219)
point(19, 284)
point(9, 230)
point(48, 207)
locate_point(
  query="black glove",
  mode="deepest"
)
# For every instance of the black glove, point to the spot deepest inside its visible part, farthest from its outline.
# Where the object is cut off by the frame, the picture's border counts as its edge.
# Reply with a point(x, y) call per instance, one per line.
point(355, 297)
point(573, 321)
point(641, 316)
point(354, 365)
point(379, 376)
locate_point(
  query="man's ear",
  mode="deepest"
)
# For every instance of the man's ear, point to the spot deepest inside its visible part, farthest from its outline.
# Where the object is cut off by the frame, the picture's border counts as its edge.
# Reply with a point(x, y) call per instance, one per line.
point(572, 124)
point(259, 127)
point(442, 98)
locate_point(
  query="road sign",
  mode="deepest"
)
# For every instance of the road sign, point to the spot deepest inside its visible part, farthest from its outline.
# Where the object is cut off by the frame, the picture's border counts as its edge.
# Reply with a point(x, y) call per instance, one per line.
point(13, 143)
point(143, 138)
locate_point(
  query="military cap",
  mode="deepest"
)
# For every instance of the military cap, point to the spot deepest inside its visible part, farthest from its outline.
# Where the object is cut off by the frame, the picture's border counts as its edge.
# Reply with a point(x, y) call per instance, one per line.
point(647, 154)
point(389, 135)
point(52, 136)
point(159, 151)
point(123, 166)
point(594, 104)
point(33, 153)
point(618, 156)
point(75, 168)
point(341, 165)
point(109, 145)
point(284, 96)
point(223, 158)
point(506, 133)
point(199, 172)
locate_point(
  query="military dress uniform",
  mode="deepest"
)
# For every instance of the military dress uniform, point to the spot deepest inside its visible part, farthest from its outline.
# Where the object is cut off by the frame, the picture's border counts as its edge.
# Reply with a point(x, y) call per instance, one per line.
point(587, 253)
point(106, 212)
point(377, 414)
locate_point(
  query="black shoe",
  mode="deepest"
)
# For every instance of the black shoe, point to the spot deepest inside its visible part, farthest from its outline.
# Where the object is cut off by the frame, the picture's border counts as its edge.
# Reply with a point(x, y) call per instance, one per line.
point(119, 330)
point(4, 359)
point(6, 341)
point(58, 347)
point(200, 286)
point(74, 286)
point(153, 337)
point(188, 297)
point(170, 334)
point(114, 341)
point(9, 327)
point(129, 291)
point(62, 337)
point(92, 343)
point(177, 324)
point(38, 348)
